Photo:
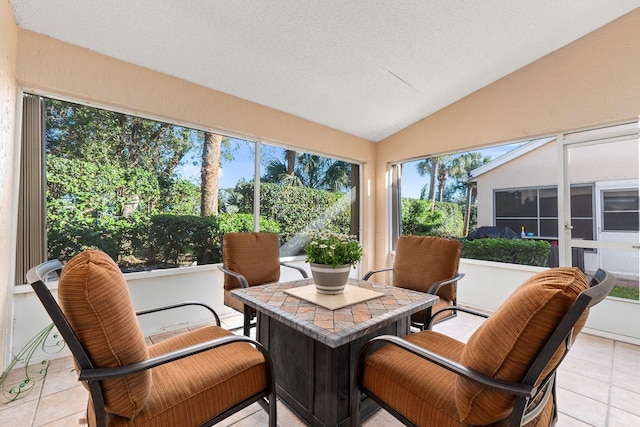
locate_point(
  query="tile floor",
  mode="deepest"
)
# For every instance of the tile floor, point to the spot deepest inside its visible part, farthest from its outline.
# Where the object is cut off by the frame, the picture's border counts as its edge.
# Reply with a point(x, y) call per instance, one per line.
point(598, 385)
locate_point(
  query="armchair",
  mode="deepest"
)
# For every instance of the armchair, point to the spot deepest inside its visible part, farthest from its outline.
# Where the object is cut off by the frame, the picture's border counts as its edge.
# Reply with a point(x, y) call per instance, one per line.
point(196, 378)
point(250, 259)
point(503, 376)
point(427, 264)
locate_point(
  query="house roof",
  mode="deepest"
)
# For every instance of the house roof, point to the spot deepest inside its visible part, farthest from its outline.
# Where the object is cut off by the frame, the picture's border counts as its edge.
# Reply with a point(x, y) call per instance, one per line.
point(366, 68)
point(472, 176)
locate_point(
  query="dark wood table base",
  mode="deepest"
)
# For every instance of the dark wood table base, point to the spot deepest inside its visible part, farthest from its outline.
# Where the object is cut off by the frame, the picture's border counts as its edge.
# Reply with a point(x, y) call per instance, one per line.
point(313, 379)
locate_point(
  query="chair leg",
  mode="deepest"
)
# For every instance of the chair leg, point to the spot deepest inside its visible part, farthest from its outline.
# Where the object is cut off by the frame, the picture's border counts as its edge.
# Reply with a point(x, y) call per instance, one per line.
point(247, 321)
point(273, 411)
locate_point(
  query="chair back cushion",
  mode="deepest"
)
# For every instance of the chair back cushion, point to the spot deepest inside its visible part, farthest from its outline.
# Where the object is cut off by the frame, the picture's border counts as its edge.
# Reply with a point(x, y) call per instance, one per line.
point(506, 344)
point(254, 255)
point(94, 297)
point(421, 261)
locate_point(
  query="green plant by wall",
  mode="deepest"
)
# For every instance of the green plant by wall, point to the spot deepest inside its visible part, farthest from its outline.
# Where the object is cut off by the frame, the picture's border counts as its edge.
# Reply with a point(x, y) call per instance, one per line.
point(513, 251)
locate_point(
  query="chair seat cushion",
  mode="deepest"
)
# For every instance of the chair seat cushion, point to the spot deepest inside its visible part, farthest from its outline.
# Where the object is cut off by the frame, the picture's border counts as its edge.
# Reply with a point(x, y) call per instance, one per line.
point(190, 391)
point(421, 391)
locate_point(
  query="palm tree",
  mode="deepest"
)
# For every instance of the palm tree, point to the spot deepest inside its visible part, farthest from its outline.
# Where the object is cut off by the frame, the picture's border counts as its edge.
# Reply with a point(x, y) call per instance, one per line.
point(310, 170)
point(460, 167)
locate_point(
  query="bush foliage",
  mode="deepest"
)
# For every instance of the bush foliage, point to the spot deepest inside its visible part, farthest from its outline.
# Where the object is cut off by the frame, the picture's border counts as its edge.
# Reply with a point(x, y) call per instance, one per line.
point(513, 251)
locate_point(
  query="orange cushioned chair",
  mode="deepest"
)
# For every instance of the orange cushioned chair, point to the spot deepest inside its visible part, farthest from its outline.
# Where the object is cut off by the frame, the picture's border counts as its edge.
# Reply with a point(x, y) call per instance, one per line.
point(250, 259)
point(197, 378)
point(427, 264)
point(503, 376)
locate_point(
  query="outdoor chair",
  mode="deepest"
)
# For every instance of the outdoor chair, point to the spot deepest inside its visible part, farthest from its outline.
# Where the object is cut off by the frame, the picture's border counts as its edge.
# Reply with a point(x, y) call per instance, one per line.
point(427, 264)
point(503, 376)
point(250, 259)
point(195, 378)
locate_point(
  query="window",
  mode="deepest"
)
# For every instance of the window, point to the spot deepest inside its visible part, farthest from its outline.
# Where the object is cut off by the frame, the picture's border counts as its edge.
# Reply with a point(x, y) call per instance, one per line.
point(536, 209)
point(620, 210)
point(155, 195)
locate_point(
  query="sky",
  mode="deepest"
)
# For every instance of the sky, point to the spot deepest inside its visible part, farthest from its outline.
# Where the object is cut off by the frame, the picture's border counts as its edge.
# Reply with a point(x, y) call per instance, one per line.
point(244, 157)
point(412, 182)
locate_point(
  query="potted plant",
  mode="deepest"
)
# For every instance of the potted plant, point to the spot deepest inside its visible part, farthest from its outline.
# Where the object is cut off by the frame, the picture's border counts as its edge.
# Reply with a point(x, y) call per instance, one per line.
point(331, 256)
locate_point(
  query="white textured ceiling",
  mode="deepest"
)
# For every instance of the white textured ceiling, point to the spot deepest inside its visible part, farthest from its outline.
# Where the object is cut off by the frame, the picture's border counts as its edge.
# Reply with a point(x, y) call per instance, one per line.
point(369, 68)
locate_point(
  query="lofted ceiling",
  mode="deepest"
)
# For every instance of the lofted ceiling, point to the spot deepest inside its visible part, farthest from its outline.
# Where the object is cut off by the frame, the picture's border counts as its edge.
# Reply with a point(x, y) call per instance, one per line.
point(368, 68)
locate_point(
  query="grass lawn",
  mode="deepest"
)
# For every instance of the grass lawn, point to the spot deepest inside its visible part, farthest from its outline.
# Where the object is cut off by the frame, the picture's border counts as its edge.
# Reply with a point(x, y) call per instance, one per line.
point(624, 292)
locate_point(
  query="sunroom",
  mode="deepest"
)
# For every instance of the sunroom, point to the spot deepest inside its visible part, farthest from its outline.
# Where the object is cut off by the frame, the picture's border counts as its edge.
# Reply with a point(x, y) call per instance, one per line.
point(575, 83)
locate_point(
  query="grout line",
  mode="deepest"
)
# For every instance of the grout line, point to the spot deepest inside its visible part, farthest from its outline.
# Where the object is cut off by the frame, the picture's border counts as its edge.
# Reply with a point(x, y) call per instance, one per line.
point(610, 391)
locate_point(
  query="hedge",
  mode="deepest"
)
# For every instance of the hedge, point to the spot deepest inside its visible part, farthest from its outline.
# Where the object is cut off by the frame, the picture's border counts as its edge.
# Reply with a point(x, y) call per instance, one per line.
point(513, 251)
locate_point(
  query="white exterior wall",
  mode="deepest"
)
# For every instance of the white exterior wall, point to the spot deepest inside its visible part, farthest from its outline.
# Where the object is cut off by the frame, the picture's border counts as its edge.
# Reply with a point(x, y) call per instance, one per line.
point(539, 167)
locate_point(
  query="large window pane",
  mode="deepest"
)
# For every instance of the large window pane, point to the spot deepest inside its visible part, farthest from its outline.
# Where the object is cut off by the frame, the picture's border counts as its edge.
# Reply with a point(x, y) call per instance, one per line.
point(620, 210)
point(302, 191)
point(517, 203)
point(157, 195)
point(548, 202)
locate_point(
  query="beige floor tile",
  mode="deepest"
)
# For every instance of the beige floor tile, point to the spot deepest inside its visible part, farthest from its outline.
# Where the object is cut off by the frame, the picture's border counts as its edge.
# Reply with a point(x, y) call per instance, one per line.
point(583, 385)
point(620, 418)
point(626, 367)
point(596, 371)
point(582, 408)
point(287, 418)
point(60, 380)
point(382, 419)
point(75, 420)
point(238, 416)
point(12, 388)
point(20, 414)
point(592, 348)
point(567, 421)
point(59, 406)
point(625, 400)
point(61, 364)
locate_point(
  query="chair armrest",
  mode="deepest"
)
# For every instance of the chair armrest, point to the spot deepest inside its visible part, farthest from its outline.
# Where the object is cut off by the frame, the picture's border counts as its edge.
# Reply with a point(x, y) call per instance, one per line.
point(96, 374)
point(300, 269)
point(516, 389)
point(240, 277)
point(372, 272)
point(455, 308)
point(178, 305)
point(433, 289)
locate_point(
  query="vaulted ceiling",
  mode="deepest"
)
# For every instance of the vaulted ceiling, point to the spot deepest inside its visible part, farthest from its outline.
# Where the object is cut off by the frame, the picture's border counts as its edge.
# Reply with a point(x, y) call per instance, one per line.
point(368, 68)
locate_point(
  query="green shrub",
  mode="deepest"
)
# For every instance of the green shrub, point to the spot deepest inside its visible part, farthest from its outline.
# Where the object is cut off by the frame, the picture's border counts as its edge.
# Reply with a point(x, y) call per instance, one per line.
point(295, 208)
point(182, 239)
point(445, 220)
point(513, 251)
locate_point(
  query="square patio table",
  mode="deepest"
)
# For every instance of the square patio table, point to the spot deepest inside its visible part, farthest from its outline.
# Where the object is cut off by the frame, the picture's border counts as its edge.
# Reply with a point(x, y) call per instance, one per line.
point(314, 348)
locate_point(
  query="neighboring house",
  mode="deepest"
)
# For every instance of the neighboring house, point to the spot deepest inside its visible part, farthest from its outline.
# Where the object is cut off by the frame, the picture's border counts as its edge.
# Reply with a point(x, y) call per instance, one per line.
point(519, 189)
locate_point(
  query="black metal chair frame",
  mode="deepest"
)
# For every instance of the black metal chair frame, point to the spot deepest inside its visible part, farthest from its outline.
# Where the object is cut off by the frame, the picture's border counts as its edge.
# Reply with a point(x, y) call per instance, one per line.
point(249, 315)
point(92, 376)
point(530, 399)
point(433, 290)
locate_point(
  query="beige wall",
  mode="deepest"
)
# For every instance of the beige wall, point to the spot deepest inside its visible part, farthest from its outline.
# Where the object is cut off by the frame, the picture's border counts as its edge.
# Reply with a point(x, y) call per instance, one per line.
point(591, 82)
point(8, 39)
